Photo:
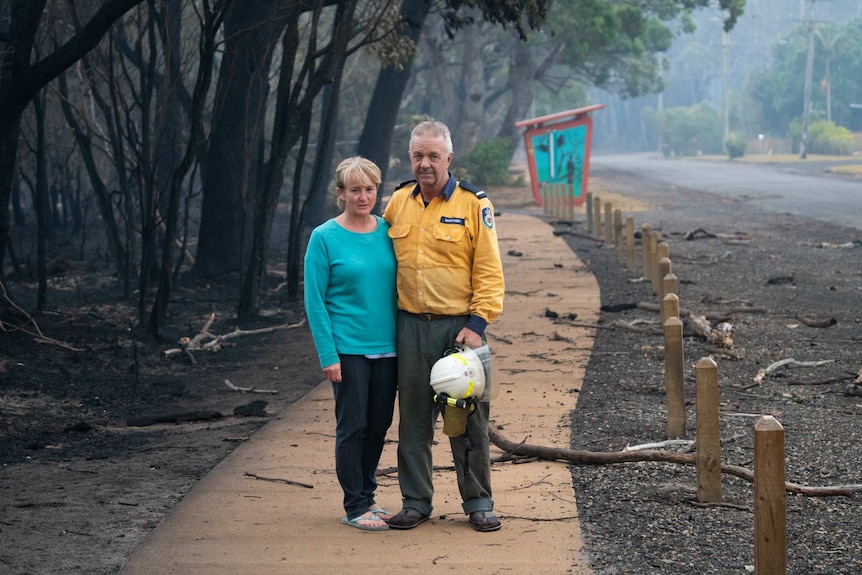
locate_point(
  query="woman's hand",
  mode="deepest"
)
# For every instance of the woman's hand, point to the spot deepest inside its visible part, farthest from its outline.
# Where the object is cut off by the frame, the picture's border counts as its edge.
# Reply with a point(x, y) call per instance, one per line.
point(333, 372)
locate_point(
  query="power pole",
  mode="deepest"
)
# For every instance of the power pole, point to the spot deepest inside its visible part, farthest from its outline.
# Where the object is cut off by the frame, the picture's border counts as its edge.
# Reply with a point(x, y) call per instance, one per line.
point(725, 112)
point(806, 106)
point(660, 104)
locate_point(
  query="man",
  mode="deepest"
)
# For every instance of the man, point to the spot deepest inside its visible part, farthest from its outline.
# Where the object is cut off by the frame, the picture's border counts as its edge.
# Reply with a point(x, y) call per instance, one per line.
point(450, 287)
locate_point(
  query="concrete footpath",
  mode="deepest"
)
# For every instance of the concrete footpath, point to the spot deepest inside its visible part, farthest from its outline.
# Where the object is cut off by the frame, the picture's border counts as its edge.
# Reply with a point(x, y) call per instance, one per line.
point(231, 522)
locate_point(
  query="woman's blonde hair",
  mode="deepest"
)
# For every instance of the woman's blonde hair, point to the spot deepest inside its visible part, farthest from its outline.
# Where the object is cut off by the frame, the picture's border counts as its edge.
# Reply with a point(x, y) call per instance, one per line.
point(359, 168)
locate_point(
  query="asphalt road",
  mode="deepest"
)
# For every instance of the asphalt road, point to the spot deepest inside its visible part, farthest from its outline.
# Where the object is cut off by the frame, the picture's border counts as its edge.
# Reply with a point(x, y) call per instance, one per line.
point(798, 188)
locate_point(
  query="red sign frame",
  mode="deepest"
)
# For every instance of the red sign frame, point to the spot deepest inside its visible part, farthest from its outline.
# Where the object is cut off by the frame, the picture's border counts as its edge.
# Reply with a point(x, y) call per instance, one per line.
point(552, 123)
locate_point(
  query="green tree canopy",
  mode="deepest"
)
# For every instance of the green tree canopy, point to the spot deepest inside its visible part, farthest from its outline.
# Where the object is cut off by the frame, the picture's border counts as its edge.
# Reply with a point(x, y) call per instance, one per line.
point(779, 90)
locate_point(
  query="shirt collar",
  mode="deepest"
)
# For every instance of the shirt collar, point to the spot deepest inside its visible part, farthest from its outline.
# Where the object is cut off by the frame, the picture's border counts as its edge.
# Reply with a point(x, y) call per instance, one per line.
point(447, 189)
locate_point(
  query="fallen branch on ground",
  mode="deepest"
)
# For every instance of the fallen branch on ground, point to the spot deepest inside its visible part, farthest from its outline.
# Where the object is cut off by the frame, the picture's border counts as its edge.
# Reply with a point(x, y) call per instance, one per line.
point(827, 381)
point(278, 480)
point(503, 339)
point(773, 368)
point(599, 458)
point(233, 387)
point(634, 328)
point(854, 388)
point(683, 313)
point(775, 414)
point(524, 293)
point(735, 238)
point(725, 353)
point(659, 444)
point(735, 301)
point(829, 245)
point(814, 322)
point(207, 341)
point(720, 335)
point(574, 233)
point(182, 417)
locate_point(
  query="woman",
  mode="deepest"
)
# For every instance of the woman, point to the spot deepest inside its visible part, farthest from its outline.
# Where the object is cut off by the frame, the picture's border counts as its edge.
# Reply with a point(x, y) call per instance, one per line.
point(350, 302)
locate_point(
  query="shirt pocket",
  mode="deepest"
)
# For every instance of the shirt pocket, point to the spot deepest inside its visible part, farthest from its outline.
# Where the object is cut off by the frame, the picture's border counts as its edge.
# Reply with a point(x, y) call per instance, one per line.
point(399, 234)
point(450, 244)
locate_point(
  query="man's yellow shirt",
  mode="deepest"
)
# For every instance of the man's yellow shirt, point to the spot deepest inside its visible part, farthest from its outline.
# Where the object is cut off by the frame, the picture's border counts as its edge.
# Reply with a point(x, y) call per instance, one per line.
point(447, 252)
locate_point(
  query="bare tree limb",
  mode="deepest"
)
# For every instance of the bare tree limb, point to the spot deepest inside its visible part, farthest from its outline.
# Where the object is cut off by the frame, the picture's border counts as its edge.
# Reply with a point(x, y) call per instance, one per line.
point(574, 233)
point(233, 387)
point(854, 388)
point(827, 381)
point(207, 341)
point(736, 238)
point(278, 480)
point(649, 306)
point(771, 369)
point(601, 458)
point(811, 321)
point(659, 444)
point(636, 329)
point(36, 332)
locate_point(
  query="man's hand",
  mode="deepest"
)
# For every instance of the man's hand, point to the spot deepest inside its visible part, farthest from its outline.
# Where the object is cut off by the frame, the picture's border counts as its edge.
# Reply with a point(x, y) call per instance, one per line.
point(333, 372)
point(469, 338)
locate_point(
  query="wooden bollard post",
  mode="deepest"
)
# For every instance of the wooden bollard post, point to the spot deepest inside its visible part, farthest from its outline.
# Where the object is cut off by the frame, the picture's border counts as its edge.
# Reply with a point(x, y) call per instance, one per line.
point(609, 223)
point(708, 439)
point(664, 267)
point(674, 378)
point(618, 233)
point(543, 192)
point(589, 212)
point(646, 235)
point(560, 199)
point(630, 243)
point(597, 218)
point(670, 284)
point(662, 251)
point(669, 307)
point(654, 240)
point(770, 504)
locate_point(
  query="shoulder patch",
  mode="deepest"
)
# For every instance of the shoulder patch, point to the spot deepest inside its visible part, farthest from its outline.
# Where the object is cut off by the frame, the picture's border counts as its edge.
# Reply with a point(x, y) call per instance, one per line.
point(471, 188)
point(488, 217)
point(404, 183)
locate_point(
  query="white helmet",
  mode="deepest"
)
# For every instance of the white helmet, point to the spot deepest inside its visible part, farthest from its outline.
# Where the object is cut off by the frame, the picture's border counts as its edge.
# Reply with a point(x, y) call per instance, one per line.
point(459, 374)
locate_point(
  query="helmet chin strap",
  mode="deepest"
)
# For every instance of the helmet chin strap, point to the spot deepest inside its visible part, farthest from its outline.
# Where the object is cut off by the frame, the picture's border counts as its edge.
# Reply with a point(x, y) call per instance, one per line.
point(453, 407)
point(444, 399)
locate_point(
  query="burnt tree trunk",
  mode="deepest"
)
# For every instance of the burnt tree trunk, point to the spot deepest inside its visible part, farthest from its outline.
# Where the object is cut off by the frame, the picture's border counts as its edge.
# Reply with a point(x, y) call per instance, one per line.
point(231, 176)
point(375, 142)
point(20, 80)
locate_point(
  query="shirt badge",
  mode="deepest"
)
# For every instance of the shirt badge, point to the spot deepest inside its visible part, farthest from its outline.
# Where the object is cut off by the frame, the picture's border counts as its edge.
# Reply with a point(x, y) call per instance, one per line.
point(488, 218)
point(448, 220)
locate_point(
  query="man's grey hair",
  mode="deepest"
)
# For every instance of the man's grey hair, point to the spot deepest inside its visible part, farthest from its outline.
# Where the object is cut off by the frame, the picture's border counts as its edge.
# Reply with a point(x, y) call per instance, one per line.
point(432, 128)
